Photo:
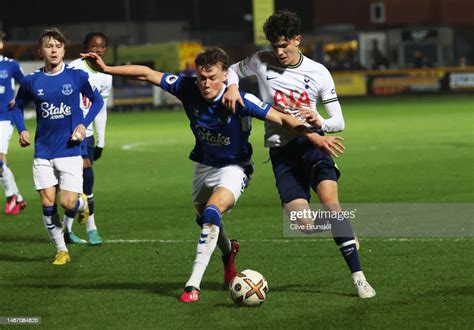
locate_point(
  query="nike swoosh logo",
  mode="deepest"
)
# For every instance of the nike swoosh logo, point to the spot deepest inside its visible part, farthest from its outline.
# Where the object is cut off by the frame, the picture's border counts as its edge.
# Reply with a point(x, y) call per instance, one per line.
point(270, 78)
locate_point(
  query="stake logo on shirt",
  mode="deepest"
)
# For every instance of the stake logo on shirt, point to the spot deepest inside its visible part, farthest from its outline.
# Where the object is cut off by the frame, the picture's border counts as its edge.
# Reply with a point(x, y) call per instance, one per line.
point(212, 139)
point(51, 111)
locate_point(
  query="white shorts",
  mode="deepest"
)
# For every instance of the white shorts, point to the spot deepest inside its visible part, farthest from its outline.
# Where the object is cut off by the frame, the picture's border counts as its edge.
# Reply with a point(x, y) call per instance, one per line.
point(6, 131)
point(207, 178)
point(65, 171)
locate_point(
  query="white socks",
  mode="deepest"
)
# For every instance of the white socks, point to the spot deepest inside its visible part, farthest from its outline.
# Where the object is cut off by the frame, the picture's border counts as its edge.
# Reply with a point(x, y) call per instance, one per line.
point(206, 246)
point(68, 223)
point(55, 231)
point(8, 182)
point(90, 224)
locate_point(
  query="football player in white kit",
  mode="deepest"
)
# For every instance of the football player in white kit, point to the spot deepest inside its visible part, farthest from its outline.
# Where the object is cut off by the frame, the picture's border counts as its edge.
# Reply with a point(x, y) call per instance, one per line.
point(292, 82)
point(93, 42)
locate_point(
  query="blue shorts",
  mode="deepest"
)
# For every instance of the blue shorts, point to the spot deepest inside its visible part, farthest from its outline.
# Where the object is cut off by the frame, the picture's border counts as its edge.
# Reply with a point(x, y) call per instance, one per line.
point(299, 166)
point(87, 148)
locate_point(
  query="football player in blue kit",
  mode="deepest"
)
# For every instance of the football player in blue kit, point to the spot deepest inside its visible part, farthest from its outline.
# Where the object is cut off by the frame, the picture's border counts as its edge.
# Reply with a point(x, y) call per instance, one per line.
point(222, 152)
point(61, 126)
point(10, 72)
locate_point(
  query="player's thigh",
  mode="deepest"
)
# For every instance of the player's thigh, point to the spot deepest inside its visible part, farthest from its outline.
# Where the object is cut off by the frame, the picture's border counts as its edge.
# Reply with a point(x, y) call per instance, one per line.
point(70, 173)
point(289, 179)
point(327, 191)
point(234, 179)
point(44, 174)
point(6, 131)
point(90, 148)
point(319, 167)
point(222, 198)
point(87, 160)
point(200, 191)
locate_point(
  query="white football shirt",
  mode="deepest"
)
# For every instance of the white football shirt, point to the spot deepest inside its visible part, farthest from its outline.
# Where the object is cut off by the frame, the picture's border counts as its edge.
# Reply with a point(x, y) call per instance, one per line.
point(291, 88)
point(103, 83)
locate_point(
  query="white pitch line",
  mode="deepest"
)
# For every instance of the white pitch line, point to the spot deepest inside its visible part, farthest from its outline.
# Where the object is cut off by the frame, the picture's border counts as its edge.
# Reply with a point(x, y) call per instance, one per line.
point(278, 240)
point(138, 145)
point(131, 146)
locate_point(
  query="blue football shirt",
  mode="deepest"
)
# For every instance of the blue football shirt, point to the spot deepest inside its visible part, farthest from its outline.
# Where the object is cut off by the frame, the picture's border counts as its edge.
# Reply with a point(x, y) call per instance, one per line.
point(56, 99)
point(222, 137)
point(9, 72)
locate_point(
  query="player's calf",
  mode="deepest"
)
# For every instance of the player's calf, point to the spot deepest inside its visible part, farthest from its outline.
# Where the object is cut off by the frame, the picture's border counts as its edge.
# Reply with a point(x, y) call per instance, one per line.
point(229, 262)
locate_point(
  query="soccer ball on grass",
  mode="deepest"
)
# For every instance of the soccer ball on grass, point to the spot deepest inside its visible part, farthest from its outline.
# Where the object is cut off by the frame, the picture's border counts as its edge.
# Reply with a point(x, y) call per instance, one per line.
point(248, 288)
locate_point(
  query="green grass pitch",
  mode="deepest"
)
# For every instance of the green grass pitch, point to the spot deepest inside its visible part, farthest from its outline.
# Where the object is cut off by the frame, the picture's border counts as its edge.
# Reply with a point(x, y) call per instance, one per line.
point(404, 149)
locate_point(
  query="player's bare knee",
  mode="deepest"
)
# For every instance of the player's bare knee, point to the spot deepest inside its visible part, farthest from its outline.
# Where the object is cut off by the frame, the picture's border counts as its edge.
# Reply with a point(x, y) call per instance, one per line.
point(69, 202)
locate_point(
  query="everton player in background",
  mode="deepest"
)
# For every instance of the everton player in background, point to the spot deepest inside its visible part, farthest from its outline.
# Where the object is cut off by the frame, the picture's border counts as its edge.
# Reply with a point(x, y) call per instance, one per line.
point(61, 126)
point(222, 153)
point(292, 82)
point(10, 72)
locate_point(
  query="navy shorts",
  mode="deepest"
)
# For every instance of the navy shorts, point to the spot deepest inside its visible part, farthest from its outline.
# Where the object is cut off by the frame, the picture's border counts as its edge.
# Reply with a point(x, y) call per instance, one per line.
point(87, 148)
point(299, 166)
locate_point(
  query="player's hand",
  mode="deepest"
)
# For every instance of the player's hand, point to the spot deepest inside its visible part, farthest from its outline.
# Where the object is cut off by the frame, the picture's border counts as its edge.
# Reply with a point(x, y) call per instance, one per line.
point(97, 152)
point(24, 139)
point(311, 117)
point(96, 61)
point(11, 104)
point(330, 144)
point(231, 96)
point(79, 133)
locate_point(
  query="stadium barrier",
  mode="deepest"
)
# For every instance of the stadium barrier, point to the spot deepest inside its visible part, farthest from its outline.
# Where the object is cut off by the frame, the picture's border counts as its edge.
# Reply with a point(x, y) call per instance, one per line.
point(348, 83)
point(407, 81)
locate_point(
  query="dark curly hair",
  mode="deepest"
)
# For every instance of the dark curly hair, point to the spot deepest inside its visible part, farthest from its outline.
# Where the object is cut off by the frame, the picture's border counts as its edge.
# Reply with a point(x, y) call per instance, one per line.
point(283, 23)
point(91, 35)
point(212, 56)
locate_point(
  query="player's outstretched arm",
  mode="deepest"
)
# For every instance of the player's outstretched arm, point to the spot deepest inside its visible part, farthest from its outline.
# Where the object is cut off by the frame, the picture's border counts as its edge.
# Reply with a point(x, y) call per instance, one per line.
point(330, 144)
point(232, 95)
point(138, 72)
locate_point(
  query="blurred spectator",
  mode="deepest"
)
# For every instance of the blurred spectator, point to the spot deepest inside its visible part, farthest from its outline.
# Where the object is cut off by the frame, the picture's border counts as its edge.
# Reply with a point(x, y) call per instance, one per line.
point(418, 59)
point(462, 61)
point(421, 60)
point(189, 70)
point(426, 62)
point(378, 60)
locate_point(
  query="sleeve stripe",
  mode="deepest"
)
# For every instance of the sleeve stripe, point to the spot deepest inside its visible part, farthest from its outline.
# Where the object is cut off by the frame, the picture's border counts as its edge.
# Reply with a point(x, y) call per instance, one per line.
point(330, 100)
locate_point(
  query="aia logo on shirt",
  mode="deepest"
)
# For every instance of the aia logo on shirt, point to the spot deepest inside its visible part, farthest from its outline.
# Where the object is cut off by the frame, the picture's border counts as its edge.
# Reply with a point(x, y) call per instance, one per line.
point(51, 111)
point(293, 100)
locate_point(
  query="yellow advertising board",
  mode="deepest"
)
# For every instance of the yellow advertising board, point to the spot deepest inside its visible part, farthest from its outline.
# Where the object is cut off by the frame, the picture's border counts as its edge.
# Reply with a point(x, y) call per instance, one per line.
point(262, 9)
point(350, 84)
point(187, 53)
